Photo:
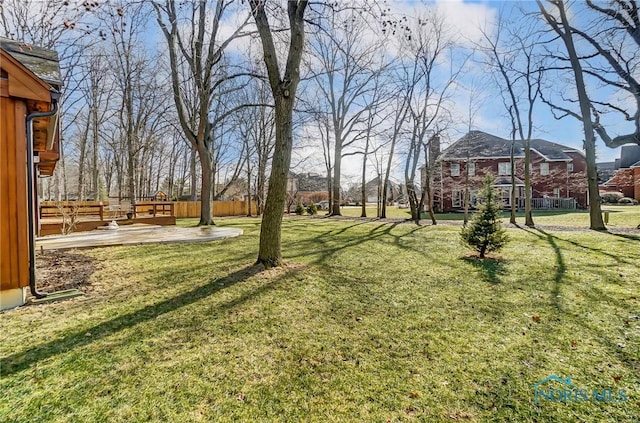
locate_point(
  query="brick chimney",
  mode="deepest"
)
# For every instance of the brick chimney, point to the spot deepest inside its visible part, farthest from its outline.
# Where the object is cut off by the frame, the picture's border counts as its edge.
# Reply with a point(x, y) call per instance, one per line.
point(434, 149)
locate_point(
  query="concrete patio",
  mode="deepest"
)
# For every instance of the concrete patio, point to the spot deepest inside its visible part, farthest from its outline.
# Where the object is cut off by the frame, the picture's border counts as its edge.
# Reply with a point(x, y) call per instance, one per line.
point(134, 234)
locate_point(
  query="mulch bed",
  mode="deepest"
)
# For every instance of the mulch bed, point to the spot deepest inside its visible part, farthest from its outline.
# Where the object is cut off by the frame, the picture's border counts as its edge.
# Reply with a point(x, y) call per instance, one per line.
point(61, 270)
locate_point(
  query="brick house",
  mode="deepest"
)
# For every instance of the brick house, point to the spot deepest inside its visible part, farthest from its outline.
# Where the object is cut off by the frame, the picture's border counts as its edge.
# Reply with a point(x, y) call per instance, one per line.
point(558, 172)
point(626, 174)
point(307, 188)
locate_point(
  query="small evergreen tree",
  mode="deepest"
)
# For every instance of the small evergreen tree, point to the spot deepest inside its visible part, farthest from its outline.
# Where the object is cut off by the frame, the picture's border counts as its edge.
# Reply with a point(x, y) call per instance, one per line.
point(299, 209)
point(484, 233)
point(312, 209)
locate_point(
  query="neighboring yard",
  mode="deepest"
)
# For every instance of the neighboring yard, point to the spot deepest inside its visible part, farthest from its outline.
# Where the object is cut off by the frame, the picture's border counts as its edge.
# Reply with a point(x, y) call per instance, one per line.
point(371, 322)
point(619, 216)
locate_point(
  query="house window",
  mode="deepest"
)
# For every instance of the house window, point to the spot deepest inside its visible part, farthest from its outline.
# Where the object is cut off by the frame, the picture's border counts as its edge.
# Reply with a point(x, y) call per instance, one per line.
point(504, 168)
point(473, 198)
point(457, 198)
point(570, 167)
point(471, 169)
point(556, 192)
point(505, 196)
point(455, 169)
point(544, 169)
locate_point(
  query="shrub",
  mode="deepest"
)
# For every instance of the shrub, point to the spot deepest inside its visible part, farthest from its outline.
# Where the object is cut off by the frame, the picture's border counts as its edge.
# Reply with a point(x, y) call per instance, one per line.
point(611, 197)
point(312, 209)
point(299, 209)
point(484, 233)
point(627, 200)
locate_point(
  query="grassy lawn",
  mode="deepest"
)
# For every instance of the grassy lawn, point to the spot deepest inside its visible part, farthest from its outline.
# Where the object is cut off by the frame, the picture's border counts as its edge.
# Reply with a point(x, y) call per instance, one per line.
point(619, 216)
point(370, 322)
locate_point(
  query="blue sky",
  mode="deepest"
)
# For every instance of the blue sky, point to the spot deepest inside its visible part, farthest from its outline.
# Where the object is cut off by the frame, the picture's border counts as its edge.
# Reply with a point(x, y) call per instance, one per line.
point(491, 116)
point(465, 18)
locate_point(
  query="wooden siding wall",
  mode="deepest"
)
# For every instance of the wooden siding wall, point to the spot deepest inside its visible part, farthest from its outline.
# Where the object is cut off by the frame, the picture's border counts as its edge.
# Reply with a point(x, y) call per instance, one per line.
point(14, 240)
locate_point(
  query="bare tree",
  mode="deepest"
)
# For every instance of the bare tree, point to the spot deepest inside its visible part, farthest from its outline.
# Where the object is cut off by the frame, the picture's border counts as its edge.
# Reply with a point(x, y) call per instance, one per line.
point(62, 26)
point(256, 128)
point(347, 65)
point(283, 88)
point(516, 70)
point(97, 90)
point(427, 44)
point(374, 118)
point(559, 22)
point(138, 87)
point(400, 107)
point(196, 47)
point(615, 37)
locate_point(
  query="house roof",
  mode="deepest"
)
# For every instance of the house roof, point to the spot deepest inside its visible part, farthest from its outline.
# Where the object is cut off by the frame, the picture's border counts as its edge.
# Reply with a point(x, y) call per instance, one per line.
point(478, 144)
point(44, 63)
point(373, 184)
point(629, 155)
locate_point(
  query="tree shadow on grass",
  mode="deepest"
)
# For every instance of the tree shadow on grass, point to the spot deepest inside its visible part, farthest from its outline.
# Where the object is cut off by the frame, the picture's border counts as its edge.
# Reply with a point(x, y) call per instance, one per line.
point(20, 361)
point(604, 337)
point(560, 268)
point(552, 241)
point(489, 268)
point(326, 244)
point(626, 236)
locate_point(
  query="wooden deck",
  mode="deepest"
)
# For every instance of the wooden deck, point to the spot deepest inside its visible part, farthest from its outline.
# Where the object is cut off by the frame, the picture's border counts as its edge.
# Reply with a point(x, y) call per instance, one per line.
point(90, 215)
point(53, 226)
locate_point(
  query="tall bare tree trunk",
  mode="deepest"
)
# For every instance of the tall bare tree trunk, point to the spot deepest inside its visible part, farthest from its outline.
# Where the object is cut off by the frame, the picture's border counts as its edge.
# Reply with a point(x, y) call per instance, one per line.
point(206, 212)
point(528, 217)
point(337, 168)
point(564, 30)
point(512, 215)
point(193, 175)
point(270, 231)
point(363, 190)
point(284, 90)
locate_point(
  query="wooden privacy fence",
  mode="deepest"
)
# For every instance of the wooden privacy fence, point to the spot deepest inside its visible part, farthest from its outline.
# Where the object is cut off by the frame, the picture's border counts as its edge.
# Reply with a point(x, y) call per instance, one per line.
point(144, 208)
point(220, 208)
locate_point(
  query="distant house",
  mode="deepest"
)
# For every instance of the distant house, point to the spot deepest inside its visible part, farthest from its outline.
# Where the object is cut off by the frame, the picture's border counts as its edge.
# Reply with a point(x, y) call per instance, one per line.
point(625, 175)
point(395, 191)
point(29, 147)
point(558, 172)
point(307, 187)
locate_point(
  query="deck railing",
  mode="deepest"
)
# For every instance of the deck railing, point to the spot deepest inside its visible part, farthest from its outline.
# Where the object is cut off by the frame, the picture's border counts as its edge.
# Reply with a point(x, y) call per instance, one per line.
point(550, 203)
point(104, 210)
